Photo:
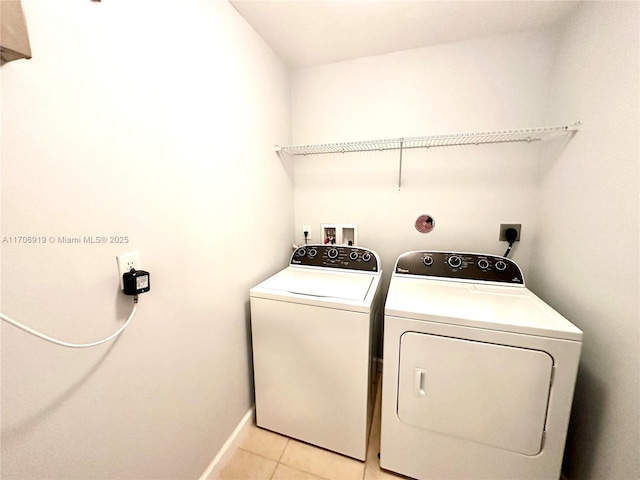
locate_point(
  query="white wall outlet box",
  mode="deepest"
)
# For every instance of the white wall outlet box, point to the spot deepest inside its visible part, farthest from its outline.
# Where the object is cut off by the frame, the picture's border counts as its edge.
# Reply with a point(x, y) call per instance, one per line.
point(306, 228)
point(339, 234)
point(349, 234)
point(126, 262)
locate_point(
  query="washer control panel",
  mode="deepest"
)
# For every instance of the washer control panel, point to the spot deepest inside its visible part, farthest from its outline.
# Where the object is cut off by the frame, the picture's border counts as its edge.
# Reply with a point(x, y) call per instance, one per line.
point(470, 267)
point(336, 256)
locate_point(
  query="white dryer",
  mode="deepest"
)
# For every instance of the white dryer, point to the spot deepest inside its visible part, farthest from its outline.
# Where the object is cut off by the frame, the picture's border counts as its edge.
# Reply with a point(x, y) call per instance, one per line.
point(478, 374)
point(312, 327)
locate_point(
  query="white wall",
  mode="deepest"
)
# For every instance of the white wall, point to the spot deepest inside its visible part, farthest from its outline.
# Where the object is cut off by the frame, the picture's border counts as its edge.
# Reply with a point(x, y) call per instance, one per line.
point(585, 260)
point(493, 83)
point(155, 121)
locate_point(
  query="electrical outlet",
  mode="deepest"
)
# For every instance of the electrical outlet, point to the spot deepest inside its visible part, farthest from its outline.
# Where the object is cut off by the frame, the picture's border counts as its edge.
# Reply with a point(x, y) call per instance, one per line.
point(126, 262)
point(505, 226)
point(306, 228)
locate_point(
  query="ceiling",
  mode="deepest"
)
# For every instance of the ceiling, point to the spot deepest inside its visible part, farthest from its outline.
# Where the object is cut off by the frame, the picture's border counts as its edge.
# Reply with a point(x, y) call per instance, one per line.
point(314, 32)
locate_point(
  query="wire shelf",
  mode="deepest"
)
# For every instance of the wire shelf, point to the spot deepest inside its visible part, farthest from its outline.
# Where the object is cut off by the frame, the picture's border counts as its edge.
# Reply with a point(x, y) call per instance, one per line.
point(431, 141)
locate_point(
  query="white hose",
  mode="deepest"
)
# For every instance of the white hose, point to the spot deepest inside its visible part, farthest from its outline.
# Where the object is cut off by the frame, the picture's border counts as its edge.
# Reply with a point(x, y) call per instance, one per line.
point(67, 344)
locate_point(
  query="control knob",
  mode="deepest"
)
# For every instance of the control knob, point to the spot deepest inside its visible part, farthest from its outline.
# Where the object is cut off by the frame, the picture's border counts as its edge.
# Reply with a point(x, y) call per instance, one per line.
point(501, 266)
point(313, 252)
point(300, 252)
point(483, 263)
point(428, 261)
point(353, 255)
point(332, 253)
point(366, 257)
point(454, 261)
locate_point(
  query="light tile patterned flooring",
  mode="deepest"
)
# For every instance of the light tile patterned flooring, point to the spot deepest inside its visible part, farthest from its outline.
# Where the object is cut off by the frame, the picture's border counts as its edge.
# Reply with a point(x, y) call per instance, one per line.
point(264, 455)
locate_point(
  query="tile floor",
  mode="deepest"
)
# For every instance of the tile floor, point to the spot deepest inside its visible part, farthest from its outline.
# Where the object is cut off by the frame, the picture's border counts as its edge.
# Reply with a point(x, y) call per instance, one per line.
point(264, 455)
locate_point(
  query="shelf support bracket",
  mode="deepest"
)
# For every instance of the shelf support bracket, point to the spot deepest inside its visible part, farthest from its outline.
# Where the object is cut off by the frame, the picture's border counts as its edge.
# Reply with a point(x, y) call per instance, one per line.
point(400, 164)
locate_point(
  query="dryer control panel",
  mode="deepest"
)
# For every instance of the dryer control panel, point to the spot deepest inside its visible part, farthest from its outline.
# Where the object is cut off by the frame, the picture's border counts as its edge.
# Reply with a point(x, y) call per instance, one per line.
point(470, 267)
point(336, 256)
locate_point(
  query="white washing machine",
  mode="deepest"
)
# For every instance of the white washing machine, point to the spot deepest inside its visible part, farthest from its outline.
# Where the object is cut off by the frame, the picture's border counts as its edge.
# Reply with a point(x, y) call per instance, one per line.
point(312, 327)
point(478, 372)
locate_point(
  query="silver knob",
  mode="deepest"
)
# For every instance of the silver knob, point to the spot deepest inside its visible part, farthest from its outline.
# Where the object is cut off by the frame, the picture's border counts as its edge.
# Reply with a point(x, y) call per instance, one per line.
point(454, 261)
point(483, 264)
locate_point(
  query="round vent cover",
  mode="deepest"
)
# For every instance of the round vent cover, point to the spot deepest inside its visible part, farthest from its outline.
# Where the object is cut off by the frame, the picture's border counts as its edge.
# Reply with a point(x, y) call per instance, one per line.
point(425, 223)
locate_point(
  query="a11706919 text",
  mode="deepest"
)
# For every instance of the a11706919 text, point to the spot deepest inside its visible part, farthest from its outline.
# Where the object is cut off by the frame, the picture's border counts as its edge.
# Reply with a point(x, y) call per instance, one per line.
point(64, 239)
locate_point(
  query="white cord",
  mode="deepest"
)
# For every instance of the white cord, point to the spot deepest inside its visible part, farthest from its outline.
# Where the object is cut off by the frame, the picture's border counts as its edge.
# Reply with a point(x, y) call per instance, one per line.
point(67, 344)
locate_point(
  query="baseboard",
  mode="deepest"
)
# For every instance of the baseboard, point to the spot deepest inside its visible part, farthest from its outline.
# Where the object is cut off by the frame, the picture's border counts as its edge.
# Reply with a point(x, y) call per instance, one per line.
point(224, 455)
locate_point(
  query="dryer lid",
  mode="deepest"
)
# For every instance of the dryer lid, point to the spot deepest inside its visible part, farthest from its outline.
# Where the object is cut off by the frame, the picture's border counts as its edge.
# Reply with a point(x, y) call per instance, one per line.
point(502, 308)
point(321, 283)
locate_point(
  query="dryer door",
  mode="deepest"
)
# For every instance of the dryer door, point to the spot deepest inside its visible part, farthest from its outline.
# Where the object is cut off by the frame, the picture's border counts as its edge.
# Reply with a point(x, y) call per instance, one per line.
point(491, 394)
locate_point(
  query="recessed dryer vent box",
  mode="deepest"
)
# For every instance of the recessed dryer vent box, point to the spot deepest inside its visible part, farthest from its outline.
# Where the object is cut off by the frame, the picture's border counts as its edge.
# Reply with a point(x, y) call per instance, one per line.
point(339, 234)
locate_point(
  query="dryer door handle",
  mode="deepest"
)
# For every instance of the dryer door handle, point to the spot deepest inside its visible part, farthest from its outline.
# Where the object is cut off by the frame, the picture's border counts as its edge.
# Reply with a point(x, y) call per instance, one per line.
point(419, 382)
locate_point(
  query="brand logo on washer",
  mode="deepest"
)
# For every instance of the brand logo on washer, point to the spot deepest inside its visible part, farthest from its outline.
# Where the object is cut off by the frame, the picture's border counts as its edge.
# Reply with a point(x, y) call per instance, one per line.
point(403, 270)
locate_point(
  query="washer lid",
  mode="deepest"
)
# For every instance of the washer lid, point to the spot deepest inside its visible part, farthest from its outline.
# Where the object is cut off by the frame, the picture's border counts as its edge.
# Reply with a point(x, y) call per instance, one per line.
point(502, 308)
point(320, 283)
